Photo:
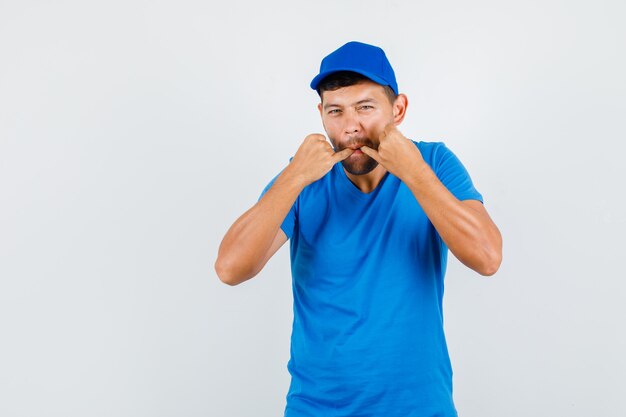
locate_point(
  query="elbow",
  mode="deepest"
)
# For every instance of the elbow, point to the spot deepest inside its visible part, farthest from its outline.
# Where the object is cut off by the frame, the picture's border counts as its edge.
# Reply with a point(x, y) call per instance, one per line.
point(225, 273)
point(225, 276)
point(229, 274)
point(489, 269)
point(491, 255)
point(491, 263)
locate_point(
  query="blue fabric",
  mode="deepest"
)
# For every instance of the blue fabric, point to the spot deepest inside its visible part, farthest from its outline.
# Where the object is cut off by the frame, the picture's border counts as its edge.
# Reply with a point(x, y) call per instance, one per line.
point(368, 274)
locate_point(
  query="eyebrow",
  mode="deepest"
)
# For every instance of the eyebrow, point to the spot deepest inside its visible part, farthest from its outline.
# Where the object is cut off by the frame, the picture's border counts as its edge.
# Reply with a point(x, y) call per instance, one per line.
point(365, 100)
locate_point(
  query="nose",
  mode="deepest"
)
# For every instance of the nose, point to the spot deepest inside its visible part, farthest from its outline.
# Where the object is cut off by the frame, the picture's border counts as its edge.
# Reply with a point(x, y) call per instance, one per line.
point(351, 123)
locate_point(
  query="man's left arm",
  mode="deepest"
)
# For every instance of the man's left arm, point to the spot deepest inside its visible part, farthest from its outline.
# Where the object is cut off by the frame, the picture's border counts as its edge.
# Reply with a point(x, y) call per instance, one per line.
point(465, 226)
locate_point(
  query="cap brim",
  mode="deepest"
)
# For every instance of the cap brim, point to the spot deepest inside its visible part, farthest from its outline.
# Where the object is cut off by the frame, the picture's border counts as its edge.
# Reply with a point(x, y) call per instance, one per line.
point(315, 82)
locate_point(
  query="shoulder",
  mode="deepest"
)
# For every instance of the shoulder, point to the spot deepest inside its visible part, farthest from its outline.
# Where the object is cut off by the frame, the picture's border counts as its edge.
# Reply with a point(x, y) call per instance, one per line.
point(434, 153)
point(430, 146)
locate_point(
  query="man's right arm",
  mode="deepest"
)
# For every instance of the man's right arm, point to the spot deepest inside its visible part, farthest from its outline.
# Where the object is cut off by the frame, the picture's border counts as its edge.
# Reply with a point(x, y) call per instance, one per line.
point(256, 235)
point(254, 238)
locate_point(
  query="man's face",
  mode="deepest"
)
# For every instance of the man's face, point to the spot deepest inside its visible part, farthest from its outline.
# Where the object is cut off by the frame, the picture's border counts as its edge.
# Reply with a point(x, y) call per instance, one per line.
point(355, 116)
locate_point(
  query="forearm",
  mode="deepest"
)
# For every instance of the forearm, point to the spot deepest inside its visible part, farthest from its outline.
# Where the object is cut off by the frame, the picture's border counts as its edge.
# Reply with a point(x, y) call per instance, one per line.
point(468, 231)
point(243, 249)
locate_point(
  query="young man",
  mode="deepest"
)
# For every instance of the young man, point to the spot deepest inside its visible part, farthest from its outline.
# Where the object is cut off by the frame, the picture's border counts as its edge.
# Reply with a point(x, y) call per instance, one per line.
point(369, 241)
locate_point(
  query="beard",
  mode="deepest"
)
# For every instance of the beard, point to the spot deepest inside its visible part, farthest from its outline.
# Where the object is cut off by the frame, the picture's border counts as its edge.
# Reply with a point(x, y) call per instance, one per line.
point(359, 164)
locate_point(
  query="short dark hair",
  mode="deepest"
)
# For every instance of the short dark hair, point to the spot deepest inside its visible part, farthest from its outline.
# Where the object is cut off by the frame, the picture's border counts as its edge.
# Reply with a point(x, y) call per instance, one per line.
point(340, 79)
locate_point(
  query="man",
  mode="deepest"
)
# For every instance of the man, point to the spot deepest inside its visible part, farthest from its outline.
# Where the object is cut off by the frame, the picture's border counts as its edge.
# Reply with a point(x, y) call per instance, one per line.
point(369, 241)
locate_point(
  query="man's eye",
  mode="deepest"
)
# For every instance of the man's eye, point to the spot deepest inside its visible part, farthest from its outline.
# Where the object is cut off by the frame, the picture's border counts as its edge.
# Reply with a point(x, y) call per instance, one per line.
point(334, 111)
point(366, 107)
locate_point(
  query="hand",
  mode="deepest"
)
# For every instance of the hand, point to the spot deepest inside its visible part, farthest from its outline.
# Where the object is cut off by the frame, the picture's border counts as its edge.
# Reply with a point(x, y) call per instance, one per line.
point(315, 157)
point(395, 153)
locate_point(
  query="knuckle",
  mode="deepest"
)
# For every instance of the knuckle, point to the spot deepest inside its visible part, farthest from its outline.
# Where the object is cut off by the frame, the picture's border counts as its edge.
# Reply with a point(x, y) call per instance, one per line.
point(314, 136)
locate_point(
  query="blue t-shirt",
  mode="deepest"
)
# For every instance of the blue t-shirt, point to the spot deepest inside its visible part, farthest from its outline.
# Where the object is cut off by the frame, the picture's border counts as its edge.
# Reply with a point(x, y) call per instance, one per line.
point(368, 273)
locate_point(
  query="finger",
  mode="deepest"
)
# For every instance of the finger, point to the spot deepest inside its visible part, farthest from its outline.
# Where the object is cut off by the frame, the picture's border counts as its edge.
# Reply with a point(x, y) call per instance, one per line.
point(343, 154)
point(316, 137)
point(371, 153)
point(390, 127)
point(382, 136)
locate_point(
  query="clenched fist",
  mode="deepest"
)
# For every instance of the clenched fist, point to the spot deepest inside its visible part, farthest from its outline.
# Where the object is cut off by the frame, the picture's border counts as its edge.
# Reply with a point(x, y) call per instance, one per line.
point(315, 157)
point(396, 153)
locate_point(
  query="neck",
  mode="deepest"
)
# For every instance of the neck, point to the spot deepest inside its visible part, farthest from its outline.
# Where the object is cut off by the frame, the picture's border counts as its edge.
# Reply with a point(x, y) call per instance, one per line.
point(367, 182)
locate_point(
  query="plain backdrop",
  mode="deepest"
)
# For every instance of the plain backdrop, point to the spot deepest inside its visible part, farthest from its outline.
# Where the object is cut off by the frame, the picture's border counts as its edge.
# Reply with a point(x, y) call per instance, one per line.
point(133, 133)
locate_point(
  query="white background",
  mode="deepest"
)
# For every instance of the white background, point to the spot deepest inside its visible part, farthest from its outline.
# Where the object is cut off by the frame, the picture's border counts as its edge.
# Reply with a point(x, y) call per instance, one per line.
point(133, 133)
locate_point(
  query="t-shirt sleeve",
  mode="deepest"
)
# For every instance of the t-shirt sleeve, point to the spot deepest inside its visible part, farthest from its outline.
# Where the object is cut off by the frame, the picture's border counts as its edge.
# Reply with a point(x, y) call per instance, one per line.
point(453, 174)
point(289, 222)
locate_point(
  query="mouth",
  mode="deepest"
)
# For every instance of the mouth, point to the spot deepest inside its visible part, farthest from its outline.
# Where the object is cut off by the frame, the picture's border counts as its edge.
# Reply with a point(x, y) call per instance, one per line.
point(356, 147)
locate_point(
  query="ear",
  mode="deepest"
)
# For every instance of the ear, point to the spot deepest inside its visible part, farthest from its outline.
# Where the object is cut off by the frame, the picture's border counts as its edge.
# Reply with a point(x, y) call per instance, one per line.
point(399, 108)
point(319, 107)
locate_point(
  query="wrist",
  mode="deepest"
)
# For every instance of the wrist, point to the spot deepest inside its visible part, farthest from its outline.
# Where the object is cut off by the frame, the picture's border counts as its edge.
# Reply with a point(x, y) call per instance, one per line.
point(293, 176)
point(419, 173)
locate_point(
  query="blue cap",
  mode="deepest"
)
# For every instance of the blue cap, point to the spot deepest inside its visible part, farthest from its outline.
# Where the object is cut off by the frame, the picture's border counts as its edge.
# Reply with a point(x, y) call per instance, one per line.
point(367, 60)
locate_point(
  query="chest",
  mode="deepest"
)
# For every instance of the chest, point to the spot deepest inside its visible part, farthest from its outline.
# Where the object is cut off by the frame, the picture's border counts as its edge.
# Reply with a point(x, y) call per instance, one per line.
point(344, 228)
